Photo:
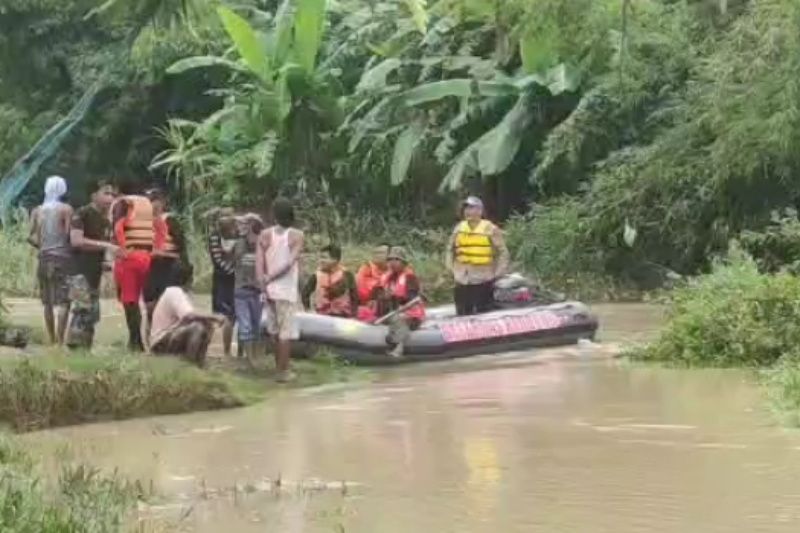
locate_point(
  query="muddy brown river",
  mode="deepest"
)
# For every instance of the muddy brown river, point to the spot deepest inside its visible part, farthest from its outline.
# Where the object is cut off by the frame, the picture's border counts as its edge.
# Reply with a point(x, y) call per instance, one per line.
point(567, 440)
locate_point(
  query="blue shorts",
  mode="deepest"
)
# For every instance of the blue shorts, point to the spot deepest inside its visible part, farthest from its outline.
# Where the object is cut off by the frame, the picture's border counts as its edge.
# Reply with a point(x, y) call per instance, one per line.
point(247, 302)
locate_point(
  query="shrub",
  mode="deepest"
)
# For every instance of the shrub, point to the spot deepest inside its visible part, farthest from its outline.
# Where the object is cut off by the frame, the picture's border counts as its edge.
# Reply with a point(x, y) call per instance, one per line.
point(783, 388)
point(733, 316)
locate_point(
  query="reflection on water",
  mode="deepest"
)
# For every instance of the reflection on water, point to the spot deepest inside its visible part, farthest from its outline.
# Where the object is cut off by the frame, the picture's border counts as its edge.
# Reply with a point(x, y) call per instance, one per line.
point(562, 442)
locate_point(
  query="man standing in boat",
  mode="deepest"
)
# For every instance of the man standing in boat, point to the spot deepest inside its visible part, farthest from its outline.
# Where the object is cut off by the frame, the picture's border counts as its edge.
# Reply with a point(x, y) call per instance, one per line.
point(132, 218)
point(277, 267)
point(477, 256)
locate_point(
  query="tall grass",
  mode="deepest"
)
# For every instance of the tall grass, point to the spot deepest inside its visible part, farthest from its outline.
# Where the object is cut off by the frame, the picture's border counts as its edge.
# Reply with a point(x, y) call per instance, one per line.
point(81, 501)
point(54, 391)
point(17, 258)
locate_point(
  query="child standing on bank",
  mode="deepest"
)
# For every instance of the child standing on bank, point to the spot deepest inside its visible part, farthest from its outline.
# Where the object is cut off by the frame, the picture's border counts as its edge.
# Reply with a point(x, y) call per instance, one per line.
point(247, 293)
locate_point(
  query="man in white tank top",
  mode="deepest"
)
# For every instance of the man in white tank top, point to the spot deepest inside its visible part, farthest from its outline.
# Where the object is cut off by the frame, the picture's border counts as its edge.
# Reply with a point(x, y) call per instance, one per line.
point(277, 267)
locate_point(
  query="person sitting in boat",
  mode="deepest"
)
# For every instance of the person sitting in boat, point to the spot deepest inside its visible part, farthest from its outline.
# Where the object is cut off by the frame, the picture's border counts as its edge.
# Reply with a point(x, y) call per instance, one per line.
point(400, 292)
point(477, 256)
point(368, 278)
point(178, 328)
point(333, 286)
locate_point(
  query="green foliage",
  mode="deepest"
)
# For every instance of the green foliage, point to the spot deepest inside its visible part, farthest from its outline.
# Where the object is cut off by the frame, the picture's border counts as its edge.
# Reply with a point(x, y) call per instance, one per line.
point(782, 383)
point(776, 247)
point(56, 391)
point(733, 316)
point(83, 500)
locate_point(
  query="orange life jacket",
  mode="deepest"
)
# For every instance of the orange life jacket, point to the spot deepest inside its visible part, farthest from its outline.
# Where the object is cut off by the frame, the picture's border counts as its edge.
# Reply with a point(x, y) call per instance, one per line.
point(134, 231)
point(325, 305)
point(397, 287)
point(367, 278)
point(163, 240)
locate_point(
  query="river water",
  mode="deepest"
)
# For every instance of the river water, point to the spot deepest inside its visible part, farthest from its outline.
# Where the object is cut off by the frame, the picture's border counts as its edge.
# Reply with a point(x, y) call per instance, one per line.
point(569, 440)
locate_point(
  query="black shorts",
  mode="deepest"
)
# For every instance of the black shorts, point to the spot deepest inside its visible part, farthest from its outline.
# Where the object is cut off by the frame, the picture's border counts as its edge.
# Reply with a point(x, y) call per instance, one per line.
point(164, 272)
point(223, 287)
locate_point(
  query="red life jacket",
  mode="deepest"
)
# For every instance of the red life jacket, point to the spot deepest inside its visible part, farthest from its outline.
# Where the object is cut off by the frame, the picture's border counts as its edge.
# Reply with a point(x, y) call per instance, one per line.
point(134, 231)
point(367, 278)
point(339, 306)
point(163, 240)
point(397, 287)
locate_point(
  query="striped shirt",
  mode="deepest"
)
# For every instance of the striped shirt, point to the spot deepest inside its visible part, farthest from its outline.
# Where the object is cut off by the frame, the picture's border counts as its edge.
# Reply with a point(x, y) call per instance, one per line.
point(223, 263)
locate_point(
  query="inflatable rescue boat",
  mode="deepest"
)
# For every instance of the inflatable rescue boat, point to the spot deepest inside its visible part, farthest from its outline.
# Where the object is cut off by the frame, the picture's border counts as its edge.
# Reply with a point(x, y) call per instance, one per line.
point(522, 321)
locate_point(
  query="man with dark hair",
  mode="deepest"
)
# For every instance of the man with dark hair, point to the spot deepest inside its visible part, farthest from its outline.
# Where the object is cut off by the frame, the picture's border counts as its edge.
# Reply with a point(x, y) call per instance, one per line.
point(169, 251)
point(278, 269)
point(178, 329)
point(367, 279)
point(333, 286)
point(90, 235)
point(132, 219)
point(222, 234)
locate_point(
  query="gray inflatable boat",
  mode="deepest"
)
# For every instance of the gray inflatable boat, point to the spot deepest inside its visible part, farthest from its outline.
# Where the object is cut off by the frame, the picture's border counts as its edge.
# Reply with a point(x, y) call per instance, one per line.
point(444, 335)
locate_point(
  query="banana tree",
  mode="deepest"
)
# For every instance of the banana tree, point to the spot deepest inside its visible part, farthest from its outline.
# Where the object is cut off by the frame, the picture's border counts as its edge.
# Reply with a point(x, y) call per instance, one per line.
point(276, 103)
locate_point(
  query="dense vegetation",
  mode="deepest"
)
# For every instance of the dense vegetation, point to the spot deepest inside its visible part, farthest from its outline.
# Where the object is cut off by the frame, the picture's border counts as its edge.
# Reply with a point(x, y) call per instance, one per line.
point(645, 133)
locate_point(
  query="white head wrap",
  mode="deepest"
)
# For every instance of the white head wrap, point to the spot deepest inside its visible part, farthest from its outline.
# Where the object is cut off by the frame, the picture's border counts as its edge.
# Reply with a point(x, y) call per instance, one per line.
point(54, 188)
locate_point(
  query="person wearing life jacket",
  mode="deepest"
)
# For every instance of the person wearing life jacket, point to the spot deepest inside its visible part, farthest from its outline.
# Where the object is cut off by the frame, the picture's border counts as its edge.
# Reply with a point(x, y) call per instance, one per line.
point(169, 251)
point(477, 256)
point(368, 278)
point(333, 286)
point(132, 222)
point(399, 286)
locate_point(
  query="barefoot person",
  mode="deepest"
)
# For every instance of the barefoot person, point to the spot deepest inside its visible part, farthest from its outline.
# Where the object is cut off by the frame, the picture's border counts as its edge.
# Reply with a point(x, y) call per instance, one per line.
point(178, 329)
point(132, 218)
point(222, 236)
point(50, 234)
point(247, 297)
point(477, 256)
point(277, 256)
point(89, 235)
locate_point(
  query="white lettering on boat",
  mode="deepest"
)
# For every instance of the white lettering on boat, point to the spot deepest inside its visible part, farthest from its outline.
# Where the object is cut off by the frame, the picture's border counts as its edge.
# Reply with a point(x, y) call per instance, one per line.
point(470, 330)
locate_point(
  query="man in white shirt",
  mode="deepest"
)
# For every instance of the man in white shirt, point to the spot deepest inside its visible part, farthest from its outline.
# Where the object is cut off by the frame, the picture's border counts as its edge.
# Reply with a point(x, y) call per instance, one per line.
point(178, 329)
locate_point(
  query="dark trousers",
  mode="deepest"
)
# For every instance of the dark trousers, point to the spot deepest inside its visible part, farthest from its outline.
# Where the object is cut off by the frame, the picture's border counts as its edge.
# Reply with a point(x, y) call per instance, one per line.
point(474, 299)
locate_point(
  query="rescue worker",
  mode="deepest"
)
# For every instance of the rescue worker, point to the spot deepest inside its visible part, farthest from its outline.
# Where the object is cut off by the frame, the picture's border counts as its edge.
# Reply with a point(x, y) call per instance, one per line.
point(169, 251)
point(398, 287)
point(367, 278)
point(477, 256)
point(132, 220)
point(333, 286)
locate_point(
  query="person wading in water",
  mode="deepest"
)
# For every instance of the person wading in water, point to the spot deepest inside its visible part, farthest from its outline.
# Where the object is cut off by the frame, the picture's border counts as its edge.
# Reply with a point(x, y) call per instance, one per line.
point(477, 256)
point(50, 234)
point(89, 234)
point(277, 267)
